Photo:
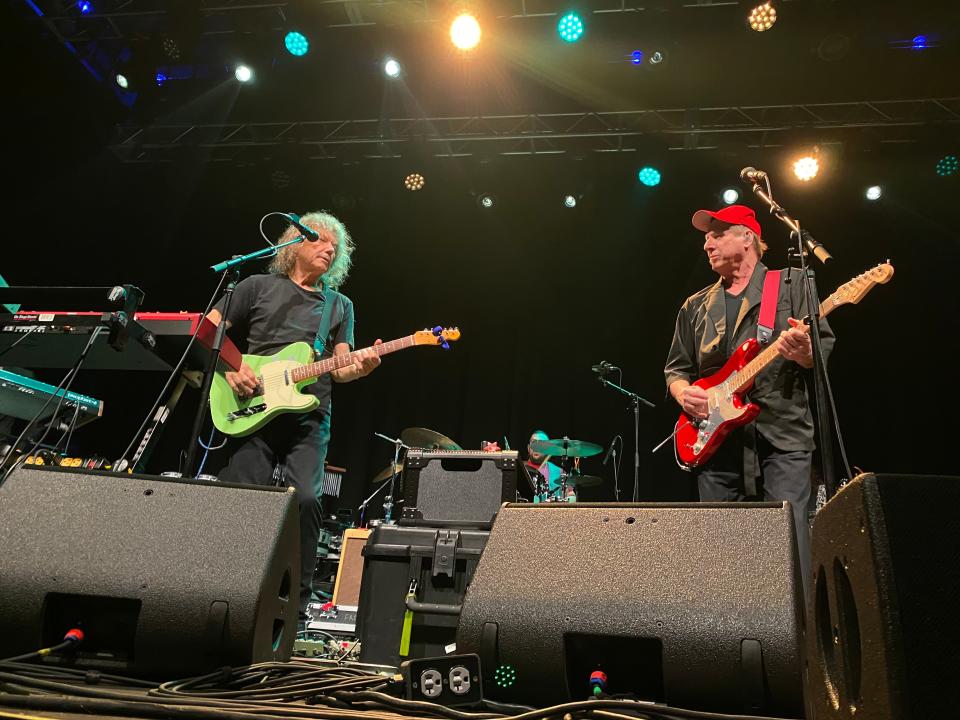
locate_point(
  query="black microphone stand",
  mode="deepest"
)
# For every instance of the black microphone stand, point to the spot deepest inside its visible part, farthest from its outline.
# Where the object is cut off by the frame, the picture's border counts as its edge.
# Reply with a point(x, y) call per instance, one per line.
point(231, 273)
point(635, 402)
point(823, 393)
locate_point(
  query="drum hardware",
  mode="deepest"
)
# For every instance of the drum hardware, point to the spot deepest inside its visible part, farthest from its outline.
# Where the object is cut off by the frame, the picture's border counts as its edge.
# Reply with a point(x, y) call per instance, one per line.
point(570, 452)
point(427, 439)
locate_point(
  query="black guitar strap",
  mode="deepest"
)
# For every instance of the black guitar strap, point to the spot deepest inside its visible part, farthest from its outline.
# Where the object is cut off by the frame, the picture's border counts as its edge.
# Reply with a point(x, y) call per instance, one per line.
point(323, 330)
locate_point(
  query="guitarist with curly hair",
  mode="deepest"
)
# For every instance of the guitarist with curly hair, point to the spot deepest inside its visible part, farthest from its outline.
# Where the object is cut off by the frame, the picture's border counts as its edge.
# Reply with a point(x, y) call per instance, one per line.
point(267, 313)
point(770, 457)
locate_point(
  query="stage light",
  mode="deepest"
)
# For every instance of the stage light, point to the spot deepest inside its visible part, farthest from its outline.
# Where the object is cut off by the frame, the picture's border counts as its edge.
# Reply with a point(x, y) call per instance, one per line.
point(296, 43)
point(649, 176)
point(243, 73)
point(569, 201)
point(806, 168)
point(122, 81)
point(391, 68)
point(85, 7)
point(465, 32)
point(636, 57)
point(762, 17)
point(170, 48)
point(160, 78)
point(873, 192)
point(920, 42)
point(570, 27)
point(730, 196)
point(414, 182)
point(947, 166)
point(486, 201)
point(656, 57)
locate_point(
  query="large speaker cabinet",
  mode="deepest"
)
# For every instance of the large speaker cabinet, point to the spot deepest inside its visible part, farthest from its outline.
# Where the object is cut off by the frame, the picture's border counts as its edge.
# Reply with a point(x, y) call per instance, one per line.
point(165, 577)
point(694, 605)
point(883, 638)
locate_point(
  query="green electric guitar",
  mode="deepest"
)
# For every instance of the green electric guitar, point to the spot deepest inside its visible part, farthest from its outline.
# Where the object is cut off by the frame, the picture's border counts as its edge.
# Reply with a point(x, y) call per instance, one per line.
point(283, 376)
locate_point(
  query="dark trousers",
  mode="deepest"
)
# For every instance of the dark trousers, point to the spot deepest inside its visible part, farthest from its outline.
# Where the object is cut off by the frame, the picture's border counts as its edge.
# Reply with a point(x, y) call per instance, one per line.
point(783, 476)
point(300, 443)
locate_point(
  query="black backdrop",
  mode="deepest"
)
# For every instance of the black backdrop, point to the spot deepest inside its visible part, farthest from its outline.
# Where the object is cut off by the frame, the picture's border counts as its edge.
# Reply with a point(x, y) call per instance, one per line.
point(540, 292)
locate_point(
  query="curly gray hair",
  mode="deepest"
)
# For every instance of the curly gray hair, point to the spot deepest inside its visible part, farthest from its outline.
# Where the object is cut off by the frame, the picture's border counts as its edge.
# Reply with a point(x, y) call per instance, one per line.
point(336, 275)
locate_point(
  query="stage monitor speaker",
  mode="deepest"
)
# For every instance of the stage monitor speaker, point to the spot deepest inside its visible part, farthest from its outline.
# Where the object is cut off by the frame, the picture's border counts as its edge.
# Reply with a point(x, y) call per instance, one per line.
point(165, 577)
point(695, 605)
point(883, 638)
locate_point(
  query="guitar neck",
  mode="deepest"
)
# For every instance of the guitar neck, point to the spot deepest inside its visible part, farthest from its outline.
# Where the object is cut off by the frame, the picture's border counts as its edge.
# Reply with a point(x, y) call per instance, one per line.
point(321, 367)
point(753, 368)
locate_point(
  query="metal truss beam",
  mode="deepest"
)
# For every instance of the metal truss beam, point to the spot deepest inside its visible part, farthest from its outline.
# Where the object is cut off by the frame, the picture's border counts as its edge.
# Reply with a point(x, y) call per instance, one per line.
point(881, 121)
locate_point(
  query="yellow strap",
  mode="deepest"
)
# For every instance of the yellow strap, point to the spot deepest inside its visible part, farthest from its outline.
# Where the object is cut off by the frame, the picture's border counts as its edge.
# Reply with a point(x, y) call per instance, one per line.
point(407, 628)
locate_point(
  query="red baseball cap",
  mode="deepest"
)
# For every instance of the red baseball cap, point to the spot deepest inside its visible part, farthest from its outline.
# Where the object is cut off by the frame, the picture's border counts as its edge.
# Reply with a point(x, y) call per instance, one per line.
point(731, 215)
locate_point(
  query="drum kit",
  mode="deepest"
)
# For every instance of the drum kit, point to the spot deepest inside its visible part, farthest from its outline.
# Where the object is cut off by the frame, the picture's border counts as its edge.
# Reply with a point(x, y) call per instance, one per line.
point(570, 480)
point(569, 453)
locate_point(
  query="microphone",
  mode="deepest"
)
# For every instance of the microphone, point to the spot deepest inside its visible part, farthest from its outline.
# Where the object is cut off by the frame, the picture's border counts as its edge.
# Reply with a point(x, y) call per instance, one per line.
point(603, 368)
point(308, 233)
point(606, 458)
point(752, 174)
point(815, 247)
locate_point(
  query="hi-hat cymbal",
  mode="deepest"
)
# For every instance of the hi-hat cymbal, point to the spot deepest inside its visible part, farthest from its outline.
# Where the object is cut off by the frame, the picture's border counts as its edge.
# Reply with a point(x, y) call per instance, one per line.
point(387, 472)
point(417, 437)
point(584, 481)
point(566, 446)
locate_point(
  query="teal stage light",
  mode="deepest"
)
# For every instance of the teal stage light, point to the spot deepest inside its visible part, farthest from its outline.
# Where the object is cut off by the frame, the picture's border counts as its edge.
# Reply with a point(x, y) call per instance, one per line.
point(649, 176)
point(296, 44)
point(947, 166)
point(570, 27)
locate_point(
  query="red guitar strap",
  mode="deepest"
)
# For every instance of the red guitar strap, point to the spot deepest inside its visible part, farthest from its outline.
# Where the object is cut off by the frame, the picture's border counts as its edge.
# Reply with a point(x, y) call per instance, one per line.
point(768, 306)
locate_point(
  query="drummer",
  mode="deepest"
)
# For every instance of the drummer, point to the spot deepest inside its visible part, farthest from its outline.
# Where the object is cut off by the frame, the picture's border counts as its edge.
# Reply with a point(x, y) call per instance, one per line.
point(546, 476)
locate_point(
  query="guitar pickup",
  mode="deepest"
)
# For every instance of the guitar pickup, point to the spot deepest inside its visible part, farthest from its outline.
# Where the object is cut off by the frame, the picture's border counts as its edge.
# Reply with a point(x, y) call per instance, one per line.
point(246, 412)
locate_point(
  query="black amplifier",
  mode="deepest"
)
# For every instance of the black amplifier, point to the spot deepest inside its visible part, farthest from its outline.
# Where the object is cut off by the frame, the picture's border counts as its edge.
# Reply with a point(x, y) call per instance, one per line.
point(450, 488)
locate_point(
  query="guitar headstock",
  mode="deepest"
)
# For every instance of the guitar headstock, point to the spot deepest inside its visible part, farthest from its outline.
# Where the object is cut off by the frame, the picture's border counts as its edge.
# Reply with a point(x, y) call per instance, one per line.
point(436, 336)
point(853, 292)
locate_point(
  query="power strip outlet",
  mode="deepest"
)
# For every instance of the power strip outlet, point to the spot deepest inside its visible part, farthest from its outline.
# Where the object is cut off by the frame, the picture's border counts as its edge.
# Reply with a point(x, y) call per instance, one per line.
point(449, 680)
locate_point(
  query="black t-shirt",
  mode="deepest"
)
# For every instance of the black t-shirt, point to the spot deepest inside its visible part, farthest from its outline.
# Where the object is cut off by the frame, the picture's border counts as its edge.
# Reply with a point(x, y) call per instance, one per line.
point(733, 309)
point(268, 312)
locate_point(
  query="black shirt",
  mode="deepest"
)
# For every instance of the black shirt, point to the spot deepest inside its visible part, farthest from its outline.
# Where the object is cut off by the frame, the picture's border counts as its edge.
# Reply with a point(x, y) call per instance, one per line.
point(269, 312)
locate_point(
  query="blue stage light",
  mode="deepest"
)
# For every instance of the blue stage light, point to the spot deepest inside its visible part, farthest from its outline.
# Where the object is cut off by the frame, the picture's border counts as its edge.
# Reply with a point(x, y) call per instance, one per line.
point(85, 7)
point(636, 57)
point(570, 27)
point(649, 176)
point(920, 42)
point(296, 43)
point(161, 78)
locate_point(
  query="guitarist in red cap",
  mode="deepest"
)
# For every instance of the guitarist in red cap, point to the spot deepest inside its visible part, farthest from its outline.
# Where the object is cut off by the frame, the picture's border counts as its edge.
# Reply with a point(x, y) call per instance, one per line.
point(769, 458)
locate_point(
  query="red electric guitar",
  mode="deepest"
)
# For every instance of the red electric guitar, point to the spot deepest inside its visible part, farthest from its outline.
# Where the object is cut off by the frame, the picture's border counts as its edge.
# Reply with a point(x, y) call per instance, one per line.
point(695, 441)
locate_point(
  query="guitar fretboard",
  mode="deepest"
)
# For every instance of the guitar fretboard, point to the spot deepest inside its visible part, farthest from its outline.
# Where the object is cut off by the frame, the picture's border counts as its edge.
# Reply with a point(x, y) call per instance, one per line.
point(753, 368)
point(337, 362)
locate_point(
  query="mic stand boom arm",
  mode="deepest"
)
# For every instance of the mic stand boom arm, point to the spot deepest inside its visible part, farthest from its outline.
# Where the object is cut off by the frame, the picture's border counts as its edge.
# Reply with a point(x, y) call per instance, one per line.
point(635, 402)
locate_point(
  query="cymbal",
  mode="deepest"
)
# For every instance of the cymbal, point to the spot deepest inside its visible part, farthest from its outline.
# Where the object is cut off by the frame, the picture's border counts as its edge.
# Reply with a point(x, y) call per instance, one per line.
point(566, 446)
point(417, 437)
point(387, 472)
point(584, 481)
